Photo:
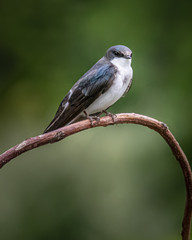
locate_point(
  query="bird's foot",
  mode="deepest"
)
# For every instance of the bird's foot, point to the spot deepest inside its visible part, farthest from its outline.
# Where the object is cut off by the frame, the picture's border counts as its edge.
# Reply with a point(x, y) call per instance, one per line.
point(92, 118)
point(113, 116)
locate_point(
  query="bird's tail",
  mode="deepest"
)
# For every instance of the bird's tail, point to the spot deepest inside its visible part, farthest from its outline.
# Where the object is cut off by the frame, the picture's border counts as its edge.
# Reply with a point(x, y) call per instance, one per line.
point(58, 123)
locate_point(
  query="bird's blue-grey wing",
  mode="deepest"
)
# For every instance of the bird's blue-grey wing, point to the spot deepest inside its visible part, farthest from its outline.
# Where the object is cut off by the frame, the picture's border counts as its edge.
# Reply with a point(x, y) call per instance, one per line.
point(94, 83)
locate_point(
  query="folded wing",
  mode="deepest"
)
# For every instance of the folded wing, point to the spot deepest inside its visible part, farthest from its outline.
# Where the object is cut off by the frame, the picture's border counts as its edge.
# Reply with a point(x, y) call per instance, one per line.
point(92, 84)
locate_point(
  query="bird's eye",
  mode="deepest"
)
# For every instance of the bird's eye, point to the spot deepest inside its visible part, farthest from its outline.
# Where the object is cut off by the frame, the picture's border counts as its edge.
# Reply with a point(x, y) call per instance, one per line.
point(118, 54)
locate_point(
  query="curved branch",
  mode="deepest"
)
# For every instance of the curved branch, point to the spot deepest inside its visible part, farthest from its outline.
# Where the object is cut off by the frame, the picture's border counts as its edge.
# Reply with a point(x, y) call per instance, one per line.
point(159, 127)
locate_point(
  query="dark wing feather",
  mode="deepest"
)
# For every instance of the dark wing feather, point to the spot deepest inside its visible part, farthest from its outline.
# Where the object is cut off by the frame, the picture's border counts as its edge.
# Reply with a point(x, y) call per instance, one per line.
point(94, 83)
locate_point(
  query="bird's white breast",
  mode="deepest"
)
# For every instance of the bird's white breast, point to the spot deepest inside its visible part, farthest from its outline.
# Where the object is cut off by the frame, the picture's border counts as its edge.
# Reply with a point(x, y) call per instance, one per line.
point(122, 80)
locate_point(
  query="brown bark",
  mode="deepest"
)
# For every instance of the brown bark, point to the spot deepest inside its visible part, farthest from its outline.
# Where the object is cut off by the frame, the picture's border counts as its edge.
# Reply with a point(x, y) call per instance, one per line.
point(133, 118)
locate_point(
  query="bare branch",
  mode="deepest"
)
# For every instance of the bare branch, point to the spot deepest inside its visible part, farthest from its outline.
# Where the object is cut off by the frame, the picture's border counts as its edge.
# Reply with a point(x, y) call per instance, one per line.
point(159, 127)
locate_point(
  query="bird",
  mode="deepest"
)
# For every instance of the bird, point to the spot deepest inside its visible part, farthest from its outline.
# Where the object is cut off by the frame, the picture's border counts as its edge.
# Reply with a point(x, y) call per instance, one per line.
point(99, 88)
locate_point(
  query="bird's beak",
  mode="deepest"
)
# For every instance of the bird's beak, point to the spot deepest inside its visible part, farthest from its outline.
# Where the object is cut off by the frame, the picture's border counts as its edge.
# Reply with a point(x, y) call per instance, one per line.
point(128, 56)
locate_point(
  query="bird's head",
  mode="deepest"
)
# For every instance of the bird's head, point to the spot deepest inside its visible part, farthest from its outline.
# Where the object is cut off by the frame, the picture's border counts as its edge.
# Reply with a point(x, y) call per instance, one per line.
point(118, 51)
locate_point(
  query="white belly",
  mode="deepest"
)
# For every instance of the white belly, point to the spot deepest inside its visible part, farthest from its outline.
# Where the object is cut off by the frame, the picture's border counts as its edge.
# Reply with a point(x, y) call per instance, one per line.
point(118, 88)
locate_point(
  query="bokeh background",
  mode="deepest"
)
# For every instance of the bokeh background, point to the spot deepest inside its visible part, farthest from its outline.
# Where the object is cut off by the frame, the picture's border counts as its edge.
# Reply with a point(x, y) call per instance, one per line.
point(113, 183)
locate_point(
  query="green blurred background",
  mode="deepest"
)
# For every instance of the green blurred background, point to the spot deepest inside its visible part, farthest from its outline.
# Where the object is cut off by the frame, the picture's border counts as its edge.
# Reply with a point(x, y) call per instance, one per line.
point(113, 183)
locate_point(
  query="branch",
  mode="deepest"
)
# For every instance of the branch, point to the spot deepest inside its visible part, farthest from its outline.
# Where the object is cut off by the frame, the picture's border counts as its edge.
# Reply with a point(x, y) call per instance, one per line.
point(159, 127)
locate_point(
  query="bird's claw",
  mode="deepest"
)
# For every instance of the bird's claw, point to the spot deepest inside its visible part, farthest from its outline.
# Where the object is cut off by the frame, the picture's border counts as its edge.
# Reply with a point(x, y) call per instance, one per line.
point(113, 116)
point(92, 118)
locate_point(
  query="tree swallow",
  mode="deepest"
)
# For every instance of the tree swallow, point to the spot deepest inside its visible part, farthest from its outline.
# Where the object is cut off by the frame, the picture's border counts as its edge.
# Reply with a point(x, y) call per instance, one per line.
point(99, 88)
